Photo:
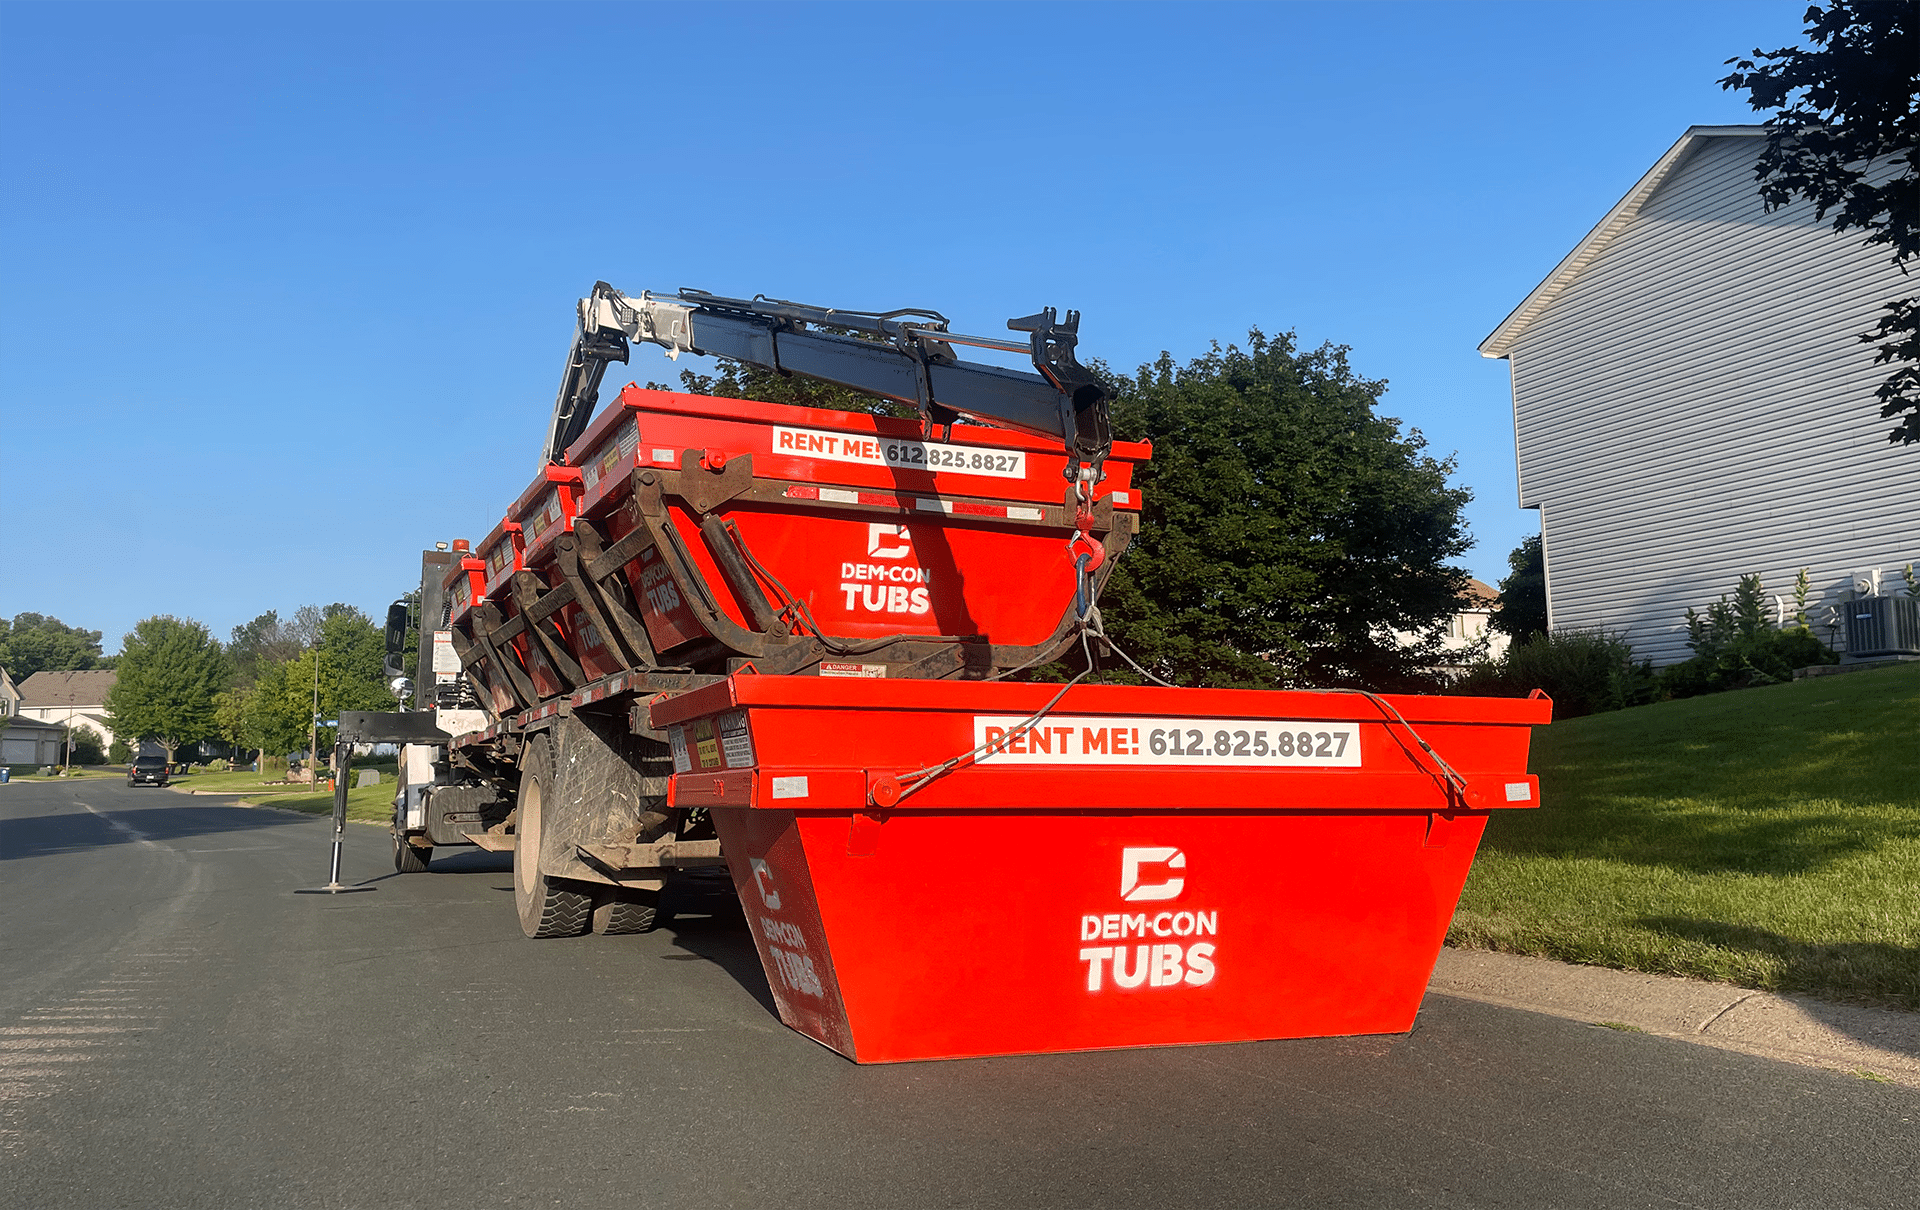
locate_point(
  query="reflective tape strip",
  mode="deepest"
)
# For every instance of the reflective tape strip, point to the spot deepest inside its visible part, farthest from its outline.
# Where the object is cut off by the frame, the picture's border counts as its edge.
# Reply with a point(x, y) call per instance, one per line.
point(924, 504)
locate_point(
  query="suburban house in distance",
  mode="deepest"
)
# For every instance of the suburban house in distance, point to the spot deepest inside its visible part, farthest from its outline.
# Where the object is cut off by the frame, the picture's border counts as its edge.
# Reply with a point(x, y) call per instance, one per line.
point(25, 741)
point(1465, 630)
point(1475, 620)
point(1692, 403)
point(76, 697)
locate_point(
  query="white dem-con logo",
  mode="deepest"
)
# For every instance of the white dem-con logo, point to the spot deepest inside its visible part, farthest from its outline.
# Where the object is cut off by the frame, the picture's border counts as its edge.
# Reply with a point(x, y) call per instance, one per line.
point(1150, 874)
point(893, 586)
point(786, 944)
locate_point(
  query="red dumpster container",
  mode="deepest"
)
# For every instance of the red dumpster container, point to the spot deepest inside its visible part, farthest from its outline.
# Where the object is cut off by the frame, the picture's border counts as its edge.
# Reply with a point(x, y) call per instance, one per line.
point(984, 503)
point(465, 584)
point(1141, 867)
point(503, 553)
point(546, 510)
point(524, 541)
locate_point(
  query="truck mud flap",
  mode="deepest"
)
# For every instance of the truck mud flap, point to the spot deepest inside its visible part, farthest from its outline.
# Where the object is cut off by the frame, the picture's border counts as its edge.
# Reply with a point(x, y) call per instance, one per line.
point(609, 786)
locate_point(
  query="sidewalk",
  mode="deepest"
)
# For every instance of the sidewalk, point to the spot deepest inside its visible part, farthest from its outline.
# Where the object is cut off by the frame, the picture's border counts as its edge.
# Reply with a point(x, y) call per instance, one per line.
point(1872, 1042)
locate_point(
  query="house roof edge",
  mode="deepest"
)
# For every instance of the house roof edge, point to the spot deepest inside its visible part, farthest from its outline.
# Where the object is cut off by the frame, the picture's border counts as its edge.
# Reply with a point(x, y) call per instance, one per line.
point(1499, 342)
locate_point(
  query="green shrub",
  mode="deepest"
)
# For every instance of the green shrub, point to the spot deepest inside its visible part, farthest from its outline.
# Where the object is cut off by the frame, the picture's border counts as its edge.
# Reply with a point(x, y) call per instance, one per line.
point(1735, 647)
point(86, 747)
point(119, 753)
point(1583, 671)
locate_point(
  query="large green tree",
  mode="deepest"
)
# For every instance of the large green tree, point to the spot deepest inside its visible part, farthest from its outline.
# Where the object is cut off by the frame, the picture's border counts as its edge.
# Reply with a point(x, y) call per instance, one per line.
point(346, 663)
point(1845, 127)
point(735, 381)
point(353, 664)
point(1288, 529)
point(252, 646)
point(273, 715)
point(1523, 594)
point(170, 670)
point(33, 642)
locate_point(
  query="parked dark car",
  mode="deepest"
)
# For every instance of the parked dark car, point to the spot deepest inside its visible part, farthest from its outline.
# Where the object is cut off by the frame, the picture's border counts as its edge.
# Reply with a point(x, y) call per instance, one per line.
point(148, 770)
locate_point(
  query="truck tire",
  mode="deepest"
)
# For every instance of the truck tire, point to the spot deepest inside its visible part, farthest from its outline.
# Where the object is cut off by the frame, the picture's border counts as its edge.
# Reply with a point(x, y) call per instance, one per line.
point(618, 910)
point(548, 906)
point(408, 858)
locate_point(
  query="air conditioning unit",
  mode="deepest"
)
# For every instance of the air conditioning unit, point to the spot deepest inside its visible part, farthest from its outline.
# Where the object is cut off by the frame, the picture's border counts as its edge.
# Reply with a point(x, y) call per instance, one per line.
point(1878, 626)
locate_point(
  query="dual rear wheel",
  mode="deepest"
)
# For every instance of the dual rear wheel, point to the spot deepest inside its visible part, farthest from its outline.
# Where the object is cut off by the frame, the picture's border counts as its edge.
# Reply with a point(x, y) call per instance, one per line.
point(562, 907)
point(409, 858)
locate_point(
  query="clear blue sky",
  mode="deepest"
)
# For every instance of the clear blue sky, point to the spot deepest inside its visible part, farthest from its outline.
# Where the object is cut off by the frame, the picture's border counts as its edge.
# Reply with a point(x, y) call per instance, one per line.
point(284, 289)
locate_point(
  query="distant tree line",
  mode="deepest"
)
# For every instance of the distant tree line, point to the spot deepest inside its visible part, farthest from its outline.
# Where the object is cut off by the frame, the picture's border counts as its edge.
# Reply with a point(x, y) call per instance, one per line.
point(32, 642)
point(177, 684)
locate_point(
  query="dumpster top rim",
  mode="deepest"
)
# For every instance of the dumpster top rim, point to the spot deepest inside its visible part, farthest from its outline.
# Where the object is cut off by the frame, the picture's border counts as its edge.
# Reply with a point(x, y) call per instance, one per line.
point(757, 411)
point(551, 478)
point(496, 535)
point(1005, 697)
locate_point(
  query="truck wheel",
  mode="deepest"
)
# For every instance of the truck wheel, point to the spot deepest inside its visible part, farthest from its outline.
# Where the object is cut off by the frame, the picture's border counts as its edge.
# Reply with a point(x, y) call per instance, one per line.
point(549, 907)
point(408, 858)
point(619, 910)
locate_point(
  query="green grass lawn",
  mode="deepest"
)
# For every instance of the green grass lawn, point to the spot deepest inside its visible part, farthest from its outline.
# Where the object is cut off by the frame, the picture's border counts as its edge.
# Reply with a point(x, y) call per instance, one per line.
point(1767, 837)
point(369, 804)
point(31, 772)
point(373, 804)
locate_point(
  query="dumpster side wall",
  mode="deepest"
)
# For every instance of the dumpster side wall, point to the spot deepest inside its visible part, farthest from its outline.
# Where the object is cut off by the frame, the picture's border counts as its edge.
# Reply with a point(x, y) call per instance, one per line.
point(966, 935)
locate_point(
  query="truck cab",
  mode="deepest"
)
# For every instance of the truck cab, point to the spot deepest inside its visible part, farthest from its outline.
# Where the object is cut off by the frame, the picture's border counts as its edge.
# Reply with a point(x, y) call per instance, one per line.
point(436, 803)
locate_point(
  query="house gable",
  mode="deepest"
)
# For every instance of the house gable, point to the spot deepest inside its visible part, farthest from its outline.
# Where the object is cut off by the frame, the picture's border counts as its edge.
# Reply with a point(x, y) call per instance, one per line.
point(79, 698)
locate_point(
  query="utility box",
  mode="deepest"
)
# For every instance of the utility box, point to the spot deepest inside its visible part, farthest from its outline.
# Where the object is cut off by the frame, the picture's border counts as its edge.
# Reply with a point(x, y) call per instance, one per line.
point(1883, 626)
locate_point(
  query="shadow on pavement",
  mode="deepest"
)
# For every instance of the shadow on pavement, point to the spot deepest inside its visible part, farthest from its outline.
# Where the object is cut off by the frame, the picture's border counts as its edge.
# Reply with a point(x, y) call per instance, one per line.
point(468, 861)
point(1878, 972)
point(705, 920)
point(700, 913)
point(42, 835)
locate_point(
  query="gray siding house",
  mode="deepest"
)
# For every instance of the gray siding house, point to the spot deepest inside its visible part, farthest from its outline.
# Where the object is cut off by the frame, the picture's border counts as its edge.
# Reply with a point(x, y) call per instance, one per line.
point(1691, 404)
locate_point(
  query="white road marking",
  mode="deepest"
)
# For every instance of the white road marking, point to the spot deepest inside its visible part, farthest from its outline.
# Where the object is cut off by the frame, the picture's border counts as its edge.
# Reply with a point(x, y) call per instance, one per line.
point(131, 831)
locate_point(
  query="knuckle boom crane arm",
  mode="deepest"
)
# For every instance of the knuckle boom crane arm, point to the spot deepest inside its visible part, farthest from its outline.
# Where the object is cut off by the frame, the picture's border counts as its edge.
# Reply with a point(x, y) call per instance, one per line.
point(905, 355)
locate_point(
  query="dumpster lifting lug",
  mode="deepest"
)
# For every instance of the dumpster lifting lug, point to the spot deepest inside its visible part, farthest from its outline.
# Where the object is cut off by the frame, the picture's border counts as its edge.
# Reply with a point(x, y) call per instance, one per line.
point(1455, 823)
point(863, 833)
point(709, 479)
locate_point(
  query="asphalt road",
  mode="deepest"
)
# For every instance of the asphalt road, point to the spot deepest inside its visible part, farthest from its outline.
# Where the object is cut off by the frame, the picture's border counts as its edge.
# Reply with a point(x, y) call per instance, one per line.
point(177, 1029)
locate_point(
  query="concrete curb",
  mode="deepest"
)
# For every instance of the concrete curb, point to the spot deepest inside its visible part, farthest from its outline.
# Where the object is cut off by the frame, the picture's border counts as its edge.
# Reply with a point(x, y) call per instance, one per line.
point(1876, 1043)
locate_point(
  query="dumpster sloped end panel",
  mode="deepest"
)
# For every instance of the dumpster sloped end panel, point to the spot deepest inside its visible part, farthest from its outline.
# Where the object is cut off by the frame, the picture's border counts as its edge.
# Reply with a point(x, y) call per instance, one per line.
point(770, 874)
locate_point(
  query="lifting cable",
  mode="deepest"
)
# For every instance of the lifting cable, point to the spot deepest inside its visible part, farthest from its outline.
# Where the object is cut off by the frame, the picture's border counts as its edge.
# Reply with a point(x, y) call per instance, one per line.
point(921, 777)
